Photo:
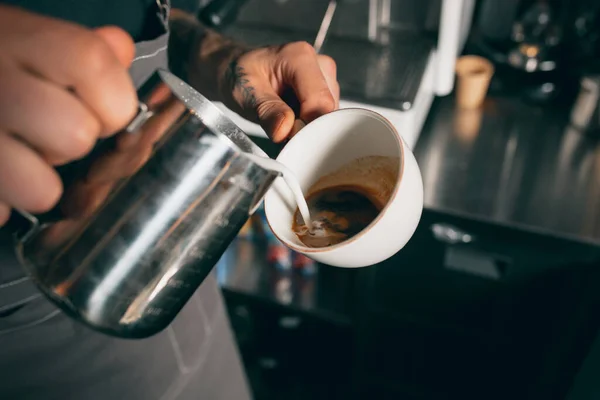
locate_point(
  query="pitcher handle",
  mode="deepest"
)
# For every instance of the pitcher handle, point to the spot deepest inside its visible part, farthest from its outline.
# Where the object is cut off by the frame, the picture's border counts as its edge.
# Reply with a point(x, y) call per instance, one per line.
point(23, 224)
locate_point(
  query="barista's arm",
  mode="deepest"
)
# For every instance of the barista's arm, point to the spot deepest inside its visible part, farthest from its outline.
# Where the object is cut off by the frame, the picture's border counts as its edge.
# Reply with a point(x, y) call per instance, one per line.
point(251, 81)
point(200, 55)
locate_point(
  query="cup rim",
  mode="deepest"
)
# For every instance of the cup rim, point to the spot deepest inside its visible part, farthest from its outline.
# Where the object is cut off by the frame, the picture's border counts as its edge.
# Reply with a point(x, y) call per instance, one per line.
point(398, 138)
point(484, 65)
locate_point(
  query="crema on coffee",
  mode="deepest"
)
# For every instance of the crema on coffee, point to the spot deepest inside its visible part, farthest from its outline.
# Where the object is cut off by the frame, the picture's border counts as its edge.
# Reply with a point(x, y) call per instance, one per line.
point(346, 201)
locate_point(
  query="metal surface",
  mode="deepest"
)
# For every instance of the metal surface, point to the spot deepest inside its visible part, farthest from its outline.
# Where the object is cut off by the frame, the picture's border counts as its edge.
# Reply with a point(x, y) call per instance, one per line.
point(325, 24)
point(512, 164)
point(585, 114)
point(373, 28)
point(244, 268)
point(146, 216)
point(386, 72)
point(219, 13)
point(450, 234)
point(283, 15)
point(386, 76)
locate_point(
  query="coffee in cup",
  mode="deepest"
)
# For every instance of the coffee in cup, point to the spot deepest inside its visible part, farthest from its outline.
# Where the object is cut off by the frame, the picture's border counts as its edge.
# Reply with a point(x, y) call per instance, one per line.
point(346, 201)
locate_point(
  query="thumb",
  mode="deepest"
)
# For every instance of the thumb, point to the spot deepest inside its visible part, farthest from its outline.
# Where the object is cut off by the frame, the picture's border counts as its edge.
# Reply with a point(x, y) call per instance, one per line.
point(276, 117)
point(120, 42)
point(260, 102)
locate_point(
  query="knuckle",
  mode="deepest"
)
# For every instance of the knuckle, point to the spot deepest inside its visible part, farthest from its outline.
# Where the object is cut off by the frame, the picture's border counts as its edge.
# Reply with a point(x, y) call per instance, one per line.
point(328, 63)
point(81, 139)
point(83, 142)
point(129, 112)
point(323, 100)
point(93, 54)
point(48, 197)
point(4, 213)
point(119, 120)
point(337, 92)
point(301, 49)
point(122, 97)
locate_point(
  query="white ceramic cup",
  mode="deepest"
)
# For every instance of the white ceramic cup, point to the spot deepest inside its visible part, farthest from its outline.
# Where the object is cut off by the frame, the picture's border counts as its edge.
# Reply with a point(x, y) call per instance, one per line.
point(324, 146)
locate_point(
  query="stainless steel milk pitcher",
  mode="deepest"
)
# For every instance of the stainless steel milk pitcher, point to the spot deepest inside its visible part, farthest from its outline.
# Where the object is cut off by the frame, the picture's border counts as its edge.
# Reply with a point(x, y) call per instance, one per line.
point(145, 217)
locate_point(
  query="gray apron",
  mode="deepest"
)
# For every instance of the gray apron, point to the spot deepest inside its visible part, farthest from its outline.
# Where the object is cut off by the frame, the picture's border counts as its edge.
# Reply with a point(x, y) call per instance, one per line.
point(46, 355)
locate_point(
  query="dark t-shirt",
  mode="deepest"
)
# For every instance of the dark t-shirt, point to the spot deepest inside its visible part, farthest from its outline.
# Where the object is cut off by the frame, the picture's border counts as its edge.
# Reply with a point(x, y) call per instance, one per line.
point(127, 14)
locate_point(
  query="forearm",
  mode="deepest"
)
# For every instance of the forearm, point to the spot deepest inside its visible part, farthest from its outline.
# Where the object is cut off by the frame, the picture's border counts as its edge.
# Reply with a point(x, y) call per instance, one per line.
point(200, 55)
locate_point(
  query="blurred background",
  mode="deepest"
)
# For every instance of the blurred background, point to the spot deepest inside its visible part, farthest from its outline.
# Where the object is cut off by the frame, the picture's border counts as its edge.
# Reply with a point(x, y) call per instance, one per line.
point(497, 294)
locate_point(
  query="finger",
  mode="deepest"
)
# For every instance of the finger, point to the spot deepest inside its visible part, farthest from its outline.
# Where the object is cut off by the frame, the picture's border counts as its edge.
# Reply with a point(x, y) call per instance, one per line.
point(4, 213)
point(81, 60)
point(275, 117)
point(302, 72)
point(118, 40)
point(298, 125)
point(133, 150)
point(329, 70)
point(272, 113)
point(50, 119)
point(26, 181)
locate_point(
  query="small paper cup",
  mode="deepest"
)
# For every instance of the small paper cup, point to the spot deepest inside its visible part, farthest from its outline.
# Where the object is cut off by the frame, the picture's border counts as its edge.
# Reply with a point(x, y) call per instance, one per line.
point(474, 75)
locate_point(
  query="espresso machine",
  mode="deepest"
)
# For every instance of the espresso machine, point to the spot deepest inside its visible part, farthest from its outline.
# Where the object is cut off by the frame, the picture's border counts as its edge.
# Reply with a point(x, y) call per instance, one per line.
point(393, 56)
point(541, 47)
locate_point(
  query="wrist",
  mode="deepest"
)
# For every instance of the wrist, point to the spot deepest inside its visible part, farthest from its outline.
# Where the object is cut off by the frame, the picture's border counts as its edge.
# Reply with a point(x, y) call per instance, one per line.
point(225, 73)
point(201, 56)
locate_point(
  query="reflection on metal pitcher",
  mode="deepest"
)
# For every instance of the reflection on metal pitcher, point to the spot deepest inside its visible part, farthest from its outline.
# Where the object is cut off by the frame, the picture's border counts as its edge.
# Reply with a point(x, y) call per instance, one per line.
point(146, 215)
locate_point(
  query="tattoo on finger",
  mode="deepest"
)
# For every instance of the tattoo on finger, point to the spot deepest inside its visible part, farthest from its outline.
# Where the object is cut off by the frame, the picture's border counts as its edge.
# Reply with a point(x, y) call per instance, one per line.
point(237, 78)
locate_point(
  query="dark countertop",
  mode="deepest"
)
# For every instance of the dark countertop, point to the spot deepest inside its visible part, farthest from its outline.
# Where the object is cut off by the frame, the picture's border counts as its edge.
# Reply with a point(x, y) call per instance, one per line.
point(509, 163)
point(381, 75)
point(512, 164)
point(244, 270)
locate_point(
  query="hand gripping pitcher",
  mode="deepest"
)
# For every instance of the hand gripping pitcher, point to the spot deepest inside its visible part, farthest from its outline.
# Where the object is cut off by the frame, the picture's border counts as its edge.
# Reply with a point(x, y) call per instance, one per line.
point(146, 215)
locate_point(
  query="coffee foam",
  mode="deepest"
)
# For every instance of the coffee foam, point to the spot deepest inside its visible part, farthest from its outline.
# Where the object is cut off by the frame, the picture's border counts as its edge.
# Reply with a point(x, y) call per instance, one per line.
point(376, 176)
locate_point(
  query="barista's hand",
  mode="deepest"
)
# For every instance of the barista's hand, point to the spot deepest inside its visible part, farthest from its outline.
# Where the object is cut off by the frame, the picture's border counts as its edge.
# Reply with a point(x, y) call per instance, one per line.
point(282, 87)
point(62, 87)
